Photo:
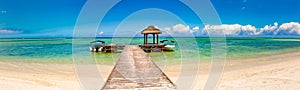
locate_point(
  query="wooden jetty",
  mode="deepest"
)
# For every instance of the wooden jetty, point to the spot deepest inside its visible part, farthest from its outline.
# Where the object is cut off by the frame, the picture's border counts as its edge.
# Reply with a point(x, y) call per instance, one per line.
point(136, 70)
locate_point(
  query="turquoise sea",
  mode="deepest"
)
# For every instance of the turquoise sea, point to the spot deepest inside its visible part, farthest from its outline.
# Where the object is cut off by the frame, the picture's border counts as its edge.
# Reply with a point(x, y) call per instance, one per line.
point(60, 49)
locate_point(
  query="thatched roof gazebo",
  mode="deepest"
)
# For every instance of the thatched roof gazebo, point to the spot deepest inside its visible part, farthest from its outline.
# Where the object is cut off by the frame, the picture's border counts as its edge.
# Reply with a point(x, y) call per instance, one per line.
point(151, 30)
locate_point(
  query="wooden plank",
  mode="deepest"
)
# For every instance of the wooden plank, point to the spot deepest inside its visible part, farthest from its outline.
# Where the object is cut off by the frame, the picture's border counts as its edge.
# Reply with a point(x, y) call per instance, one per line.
point(136, 70)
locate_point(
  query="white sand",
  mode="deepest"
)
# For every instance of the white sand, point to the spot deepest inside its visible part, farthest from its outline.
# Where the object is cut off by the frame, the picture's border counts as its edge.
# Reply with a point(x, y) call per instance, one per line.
point(279, 72)
point(27, 76)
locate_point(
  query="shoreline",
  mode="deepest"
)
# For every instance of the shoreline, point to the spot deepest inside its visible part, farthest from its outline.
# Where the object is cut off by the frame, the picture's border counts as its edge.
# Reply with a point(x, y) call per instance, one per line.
point(245, 73)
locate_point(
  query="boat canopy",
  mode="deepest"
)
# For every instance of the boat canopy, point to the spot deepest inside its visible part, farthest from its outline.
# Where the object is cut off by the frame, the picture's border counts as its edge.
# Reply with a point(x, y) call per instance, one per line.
point(98, 41)
point(163, 41)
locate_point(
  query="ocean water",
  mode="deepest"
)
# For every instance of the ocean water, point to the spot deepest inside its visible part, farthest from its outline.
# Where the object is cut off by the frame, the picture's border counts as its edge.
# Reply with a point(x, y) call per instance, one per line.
point(61, 49)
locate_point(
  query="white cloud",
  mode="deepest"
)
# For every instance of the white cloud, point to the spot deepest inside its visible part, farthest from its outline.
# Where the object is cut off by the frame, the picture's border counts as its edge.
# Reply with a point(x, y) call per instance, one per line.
point(100, 33)
point(195, 29)
point(291, 28)
point(248, 30)
point(10, 31)
point(268, 29)
point(180, 28)
point(231, 29)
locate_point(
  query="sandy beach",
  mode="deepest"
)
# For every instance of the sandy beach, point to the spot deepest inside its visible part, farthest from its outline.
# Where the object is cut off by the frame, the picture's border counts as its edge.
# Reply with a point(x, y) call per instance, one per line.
point(20, 75)
point(276, 72)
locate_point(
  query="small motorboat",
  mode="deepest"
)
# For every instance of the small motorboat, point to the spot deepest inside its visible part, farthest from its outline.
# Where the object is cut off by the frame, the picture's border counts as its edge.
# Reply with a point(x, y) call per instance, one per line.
point(97, 46)
point(169, 45)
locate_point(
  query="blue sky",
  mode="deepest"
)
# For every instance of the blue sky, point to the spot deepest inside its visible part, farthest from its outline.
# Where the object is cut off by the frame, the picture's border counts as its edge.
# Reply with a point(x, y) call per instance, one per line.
point(57, 18)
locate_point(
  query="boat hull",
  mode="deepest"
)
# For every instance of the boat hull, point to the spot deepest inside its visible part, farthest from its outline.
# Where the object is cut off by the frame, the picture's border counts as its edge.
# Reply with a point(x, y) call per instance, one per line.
point(94, 49)
point(169, 47)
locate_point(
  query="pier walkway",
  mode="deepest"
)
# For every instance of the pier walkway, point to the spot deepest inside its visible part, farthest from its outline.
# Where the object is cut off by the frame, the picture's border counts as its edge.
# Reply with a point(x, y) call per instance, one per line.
point(136, 70)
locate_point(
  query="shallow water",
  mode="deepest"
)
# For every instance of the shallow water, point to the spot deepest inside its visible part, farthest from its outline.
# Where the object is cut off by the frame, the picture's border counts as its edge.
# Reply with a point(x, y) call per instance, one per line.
point(60, 50)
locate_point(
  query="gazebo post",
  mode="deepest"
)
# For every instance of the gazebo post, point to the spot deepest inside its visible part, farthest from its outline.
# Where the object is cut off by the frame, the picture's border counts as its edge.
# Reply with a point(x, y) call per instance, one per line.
point(144, 38)
point(156, 38)
point(153, 38)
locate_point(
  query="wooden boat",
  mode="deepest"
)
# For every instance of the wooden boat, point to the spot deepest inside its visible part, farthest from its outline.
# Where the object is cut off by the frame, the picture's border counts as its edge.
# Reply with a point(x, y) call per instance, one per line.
point(169, 45)
point(97, 46)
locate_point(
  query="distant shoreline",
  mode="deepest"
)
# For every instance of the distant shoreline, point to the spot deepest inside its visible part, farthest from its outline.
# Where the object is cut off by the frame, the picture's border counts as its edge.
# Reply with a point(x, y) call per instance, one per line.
point(142, 37)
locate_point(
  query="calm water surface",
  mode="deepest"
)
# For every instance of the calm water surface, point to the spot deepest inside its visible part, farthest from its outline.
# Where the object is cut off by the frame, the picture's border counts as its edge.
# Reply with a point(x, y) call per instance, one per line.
point(60, 50)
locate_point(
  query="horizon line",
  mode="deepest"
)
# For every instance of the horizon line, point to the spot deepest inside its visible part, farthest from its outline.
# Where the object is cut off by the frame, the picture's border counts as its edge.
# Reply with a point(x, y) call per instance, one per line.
point(69, 37)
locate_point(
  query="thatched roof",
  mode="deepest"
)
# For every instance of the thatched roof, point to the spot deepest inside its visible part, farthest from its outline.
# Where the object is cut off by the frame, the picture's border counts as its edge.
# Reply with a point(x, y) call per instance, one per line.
point(151, 30)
